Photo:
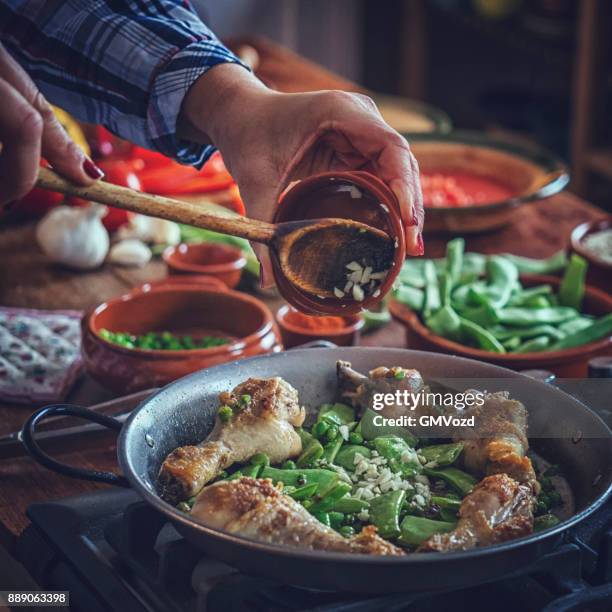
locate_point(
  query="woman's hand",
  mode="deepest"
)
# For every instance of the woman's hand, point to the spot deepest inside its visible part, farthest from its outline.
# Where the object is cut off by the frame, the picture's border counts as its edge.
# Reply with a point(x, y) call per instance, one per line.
point(29, 130)
point(269, 139)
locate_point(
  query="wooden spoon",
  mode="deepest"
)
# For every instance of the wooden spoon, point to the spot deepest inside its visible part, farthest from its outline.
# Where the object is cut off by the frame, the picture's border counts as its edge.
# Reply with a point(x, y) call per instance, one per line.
point(312, 254)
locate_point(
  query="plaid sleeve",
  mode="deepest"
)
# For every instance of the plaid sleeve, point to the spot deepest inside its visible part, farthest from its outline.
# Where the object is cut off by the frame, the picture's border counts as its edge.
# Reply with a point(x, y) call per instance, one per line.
point(125, 64)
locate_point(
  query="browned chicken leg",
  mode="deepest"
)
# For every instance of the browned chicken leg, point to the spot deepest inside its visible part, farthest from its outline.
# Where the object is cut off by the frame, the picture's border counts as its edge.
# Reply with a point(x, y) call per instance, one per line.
point(263, 423)
point(497, 509)
point(257, 509)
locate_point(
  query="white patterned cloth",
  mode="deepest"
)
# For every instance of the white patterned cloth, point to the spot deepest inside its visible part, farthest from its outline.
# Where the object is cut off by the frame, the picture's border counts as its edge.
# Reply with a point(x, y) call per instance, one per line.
point(40, 354)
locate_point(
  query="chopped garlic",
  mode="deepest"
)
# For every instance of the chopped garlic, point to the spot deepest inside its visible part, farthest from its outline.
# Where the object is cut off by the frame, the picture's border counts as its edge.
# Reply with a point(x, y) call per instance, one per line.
point(354, 266)
point(344, 432)
point(358, 293)
point(338, 293)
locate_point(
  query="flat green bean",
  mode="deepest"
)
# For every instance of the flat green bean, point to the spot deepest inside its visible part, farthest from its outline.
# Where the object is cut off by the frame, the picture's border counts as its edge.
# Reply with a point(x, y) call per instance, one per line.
point(571, 291)
point(526, 265)
point(350, 505)
point(432, 289)
point(454, 259)
point(340, 414)
point(458, 479)
point(414, 530)
point(539, 343)
point(385, 513)
point(310, 454)
point(410, 296)
point(331, 497)
point(346, 456)
point(445, 322)
point(599, 329)
point(442, 454)
point(325, 479)
point(446, 502)
point(532, 316)
point(483, 339)
point(400, 456)
point(304, 492)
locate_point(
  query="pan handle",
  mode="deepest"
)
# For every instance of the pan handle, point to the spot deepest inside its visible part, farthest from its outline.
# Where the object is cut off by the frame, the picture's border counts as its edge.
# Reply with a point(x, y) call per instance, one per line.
point(31, 445)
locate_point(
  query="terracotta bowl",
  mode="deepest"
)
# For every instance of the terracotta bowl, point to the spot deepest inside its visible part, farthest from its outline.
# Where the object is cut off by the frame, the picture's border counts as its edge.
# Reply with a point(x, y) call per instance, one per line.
point(294, 335)
point(180, 309)
point(569, 363)
point(530, 173)
point(599, 272)
point(325, 195)
point(218, 260)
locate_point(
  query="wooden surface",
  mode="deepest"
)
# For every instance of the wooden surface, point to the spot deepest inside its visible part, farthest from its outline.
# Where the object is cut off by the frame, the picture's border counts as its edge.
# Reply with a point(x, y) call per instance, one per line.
point(27, 280)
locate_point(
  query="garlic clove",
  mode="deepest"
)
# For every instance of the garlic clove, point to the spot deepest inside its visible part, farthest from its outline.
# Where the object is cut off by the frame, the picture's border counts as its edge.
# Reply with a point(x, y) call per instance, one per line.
point(74, 237)
point(130, 252)
point(152, 230)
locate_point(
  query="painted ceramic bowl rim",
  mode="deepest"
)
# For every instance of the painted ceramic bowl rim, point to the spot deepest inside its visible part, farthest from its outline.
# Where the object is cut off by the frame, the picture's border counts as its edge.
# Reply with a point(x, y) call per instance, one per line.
point(548, 162)
point(232, 347)
point(349, 328)
point(584, 229)
point(171, 256)
point(368, 182)
point(410, 318)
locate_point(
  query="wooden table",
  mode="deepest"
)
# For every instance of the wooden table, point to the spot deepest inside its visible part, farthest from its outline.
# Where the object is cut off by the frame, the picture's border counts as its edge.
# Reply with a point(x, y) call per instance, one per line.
point(27, 280)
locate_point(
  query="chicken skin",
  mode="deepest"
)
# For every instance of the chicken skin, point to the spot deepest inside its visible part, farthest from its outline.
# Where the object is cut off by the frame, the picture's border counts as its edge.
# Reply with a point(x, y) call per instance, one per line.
point(498, 509)
point(265, 412)
point(256, 509)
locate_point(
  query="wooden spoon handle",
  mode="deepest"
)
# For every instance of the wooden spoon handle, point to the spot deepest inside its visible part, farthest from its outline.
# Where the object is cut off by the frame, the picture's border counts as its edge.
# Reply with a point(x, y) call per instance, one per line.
point(159, 206)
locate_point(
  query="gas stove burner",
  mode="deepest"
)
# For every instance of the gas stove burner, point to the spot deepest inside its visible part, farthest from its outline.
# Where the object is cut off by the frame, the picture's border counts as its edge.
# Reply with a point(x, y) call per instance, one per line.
point(114, 552)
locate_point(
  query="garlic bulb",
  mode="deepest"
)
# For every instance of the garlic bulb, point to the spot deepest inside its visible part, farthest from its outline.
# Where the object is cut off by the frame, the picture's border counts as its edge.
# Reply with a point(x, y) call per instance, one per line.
point(130, 252)
point(151, 229)
point(74, 237)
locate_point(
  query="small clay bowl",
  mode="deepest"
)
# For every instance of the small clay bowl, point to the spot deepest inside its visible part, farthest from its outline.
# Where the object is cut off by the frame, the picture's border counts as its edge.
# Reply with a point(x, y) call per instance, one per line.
point(569, 363)
point(331, 194)
point(599, 272)
point(209, 258)
point(530, 173)
point(294, 334)
point(181, 309)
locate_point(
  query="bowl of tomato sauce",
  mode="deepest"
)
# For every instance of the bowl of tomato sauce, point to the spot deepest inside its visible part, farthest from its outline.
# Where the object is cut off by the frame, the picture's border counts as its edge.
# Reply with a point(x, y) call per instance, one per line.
point(473, 182)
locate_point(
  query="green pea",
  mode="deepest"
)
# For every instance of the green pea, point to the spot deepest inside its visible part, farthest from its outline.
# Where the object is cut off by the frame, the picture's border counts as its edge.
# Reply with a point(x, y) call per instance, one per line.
point(225, 414)
point(346, 531)
point(288, 465)
point(320, 429)
point(332, 433)
point(355, 438)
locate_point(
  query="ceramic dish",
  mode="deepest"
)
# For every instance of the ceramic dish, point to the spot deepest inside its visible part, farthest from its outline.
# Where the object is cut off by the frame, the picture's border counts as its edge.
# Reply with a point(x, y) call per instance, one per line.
point(294, 334)
point(599, 272)
point(567, 363)
point(529, 172)
point(181, 309)
point(344, 195)
point(211, 259)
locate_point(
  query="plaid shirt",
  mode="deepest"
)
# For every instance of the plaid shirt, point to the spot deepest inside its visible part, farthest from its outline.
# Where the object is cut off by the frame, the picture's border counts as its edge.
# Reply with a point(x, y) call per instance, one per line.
point(125, 64)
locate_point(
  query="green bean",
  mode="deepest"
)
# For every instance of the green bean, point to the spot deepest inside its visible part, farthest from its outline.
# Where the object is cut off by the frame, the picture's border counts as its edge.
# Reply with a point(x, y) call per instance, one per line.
point(474, 264)
point(526, 265)
point(503, 277)
point(410, 296)
point(571, 291)
point(414, 530)
point(260, 459)
point(539, 343)
point(532, 316)
point(252, 470)
point(322, 517)
point(337, 414)
point(350, 505)
point(373, 319)
point(432, 290)
point(504, 333)
point(524, 295)
point(599, 329)
point(484, 315)
point(448, 515)
point(355, 438)
point(310, 454)
point(545, 521)
point(481, 336)
point(331, 449)
point(463, 296)
point(319, 429)
point(305, 436)
point(325, 479)
point(412, 273)
point(330, 498)
point(442, 454)
point(400, 457)
point(446, 502)
point(458, 479)
point(454, 259)
point(539, 301)
point(347, 531)
point(445, 322)
point(370, 431)
point(331, 434)
point(446, 285)
point(385, 512)
point(511, 343)
point(346, 456)
point(574, 325)
point(288, 465)
point(235, 476)
point(335, 519)
point(304, 492)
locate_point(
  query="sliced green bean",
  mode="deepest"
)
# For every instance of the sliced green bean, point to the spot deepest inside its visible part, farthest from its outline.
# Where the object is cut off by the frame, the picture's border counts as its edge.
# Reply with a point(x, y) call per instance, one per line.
point(410, 296)
point(252, 471)
point(446, 502)
point(350, 505)
point(458, 479)
point(331, 449)
point(599, 329)
point(385, 512)
point(571, 291)
point(331, 497)
point(325, 479)
point(310, 454)
point(400, 456)
point(304, 492)
point(442, 454)
point(414, 530)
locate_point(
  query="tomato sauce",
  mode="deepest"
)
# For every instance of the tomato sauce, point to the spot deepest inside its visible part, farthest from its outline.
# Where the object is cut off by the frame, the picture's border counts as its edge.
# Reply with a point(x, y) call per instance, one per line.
point(460, 189)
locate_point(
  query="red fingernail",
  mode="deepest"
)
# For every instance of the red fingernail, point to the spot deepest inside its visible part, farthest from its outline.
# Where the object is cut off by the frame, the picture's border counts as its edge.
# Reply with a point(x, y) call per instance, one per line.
point(92, 170)
point(420, 245)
